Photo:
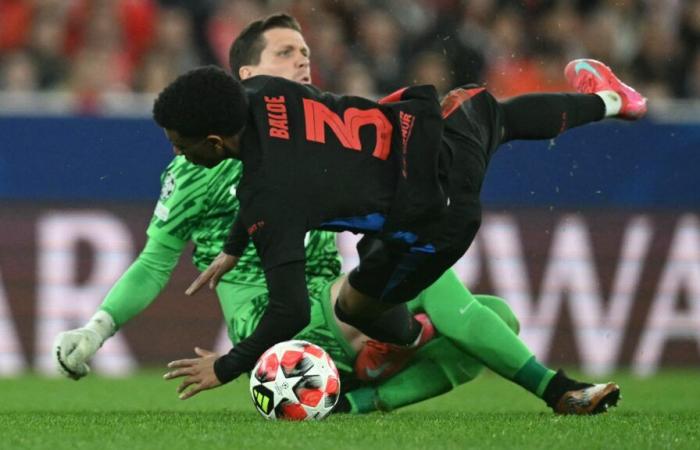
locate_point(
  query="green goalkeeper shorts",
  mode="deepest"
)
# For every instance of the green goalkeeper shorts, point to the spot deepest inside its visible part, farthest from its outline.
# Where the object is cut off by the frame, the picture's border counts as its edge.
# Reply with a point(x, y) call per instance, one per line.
point(244, 305)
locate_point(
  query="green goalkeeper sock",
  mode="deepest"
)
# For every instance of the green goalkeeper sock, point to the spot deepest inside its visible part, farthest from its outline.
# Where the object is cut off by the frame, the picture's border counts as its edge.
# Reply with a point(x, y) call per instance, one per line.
point(480, 332)
point(534, 377)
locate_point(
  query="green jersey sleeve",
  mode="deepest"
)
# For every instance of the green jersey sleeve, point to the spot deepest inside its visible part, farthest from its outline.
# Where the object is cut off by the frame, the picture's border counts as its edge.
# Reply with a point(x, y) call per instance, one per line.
point(141, 283)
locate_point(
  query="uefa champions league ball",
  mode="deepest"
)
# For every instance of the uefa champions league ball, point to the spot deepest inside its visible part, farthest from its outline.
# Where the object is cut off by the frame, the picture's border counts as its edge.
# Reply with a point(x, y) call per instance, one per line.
point(295, 380)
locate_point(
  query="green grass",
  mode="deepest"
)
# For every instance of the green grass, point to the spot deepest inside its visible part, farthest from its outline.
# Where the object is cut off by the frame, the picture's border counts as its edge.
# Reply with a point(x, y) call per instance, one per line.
point(143, 412)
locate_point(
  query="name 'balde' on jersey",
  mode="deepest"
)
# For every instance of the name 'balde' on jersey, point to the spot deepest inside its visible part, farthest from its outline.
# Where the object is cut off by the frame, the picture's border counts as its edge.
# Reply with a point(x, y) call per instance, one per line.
point(316, 160)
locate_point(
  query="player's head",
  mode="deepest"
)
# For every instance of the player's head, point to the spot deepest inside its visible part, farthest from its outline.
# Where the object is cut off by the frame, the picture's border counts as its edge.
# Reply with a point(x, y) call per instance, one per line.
point(271, 46)
point(203, 113)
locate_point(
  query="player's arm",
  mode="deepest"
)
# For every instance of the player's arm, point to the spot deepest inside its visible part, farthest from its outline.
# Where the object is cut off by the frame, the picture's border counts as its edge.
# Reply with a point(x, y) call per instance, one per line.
point(131, 294)
point(288, 312)
point(237, 239)
point(279, 241)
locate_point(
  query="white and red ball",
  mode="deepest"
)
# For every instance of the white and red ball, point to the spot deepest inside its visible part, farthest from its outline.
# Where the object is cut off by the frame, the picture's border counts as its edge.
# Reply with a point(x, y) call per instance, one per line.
point(295, 380)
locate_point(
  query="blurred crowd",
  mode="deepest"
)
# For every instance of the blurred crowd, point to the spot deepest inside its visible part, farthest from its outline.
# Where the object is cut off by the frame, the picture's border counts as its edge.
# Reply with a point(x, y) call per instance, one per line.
point(89, 48)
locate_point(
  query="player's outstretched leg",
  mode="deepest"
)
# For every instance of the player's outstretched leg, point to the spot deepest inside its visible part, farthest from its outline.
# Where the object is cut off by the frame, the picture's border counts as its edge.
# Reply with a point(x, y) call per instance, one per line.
point(484, 334)
point(437, 367)
point(600, 94)
point(589, 76)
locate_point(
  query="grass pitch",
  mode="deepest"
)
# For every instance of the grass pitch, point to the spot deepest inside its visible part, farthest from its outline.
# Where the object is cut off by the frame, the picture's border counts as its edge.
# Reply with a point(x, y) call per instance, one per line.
point(143, 412)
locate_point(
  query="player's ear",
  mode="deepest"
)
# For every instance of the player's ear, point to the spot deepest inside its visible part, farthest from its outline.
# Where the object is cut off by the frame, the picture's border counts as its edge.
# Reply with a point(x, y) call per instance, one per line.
point(245, 72)
point(216, 142)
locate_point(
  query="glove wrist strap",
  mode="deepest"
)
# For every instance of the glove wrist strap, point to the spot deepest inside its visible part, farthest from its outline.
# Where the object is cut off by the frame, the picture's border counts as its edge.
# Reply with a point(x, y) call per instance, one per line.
point(102, 324)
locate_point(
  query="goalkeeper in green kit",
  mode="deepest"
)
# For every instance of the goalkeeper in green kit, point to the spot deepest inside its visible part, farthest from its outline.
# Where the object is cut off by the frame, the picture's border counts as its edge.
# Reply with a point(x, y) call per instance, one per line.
point(199, 204)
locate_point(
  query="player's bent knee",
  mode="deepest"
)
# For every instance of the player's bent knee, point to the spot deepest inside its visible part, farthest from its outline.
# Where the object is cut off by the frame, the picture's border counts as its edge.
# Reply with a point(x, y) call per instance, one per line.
point(502, 309)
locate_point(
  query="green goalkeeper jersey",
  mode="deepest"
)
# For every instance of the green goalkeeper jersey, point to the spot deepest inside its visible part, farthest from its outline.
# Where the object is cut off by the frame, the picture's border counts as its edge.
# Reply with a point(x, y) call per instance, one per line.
point(200, 204)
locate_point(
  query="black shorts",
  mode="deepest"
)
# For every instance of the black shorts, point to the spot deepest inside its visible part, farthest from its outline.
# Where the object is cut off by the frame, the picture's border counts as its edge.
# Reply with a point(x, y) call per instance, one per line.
point(392, 272)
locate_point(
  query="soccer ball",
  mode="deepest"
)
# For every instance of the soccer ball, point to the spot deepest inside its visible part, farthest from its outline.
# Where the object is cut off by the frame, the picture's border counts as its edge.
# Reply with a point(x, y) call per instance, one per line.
point(295, 380)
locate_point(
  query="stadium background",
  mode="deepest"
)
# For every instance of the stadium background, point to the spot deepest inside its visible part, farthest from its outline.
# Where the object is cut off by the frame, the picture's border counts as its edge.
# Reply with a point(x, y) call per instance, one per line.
point(593, 238)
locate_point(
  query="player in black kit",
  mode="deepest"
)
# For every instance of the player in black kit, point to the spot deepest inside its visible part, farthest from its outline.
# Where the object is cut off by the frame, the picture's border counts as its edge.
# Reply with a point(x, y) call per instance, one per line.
point(406, 171)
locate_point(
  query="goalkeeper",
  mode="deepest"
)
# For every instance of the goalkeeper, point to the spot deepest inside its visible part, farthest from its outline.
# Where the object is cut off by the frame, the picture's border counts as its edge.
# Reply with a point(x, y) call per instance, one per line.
point(197, 204)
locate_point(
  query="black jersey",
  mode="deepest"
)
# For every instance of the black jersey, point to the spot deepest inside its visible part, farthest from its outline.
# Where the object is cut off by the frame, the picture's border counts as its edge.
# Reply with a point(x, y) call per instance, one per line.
point(316, 160)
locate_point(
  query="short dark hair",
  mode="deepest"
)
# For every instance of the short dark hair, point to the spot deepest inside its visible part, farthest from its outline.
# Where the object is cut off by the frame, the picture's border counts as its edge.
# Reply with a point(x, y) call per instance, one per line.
point(203, 101)
point(248, 46)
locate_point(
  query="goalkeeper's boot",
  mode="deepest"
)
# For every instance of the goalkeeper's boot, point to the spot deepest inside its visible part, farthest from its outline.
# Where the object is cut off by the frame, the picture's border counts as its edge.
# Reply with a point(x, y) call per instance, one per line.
point(379, 360)
point(569, 397)
point(589, 76)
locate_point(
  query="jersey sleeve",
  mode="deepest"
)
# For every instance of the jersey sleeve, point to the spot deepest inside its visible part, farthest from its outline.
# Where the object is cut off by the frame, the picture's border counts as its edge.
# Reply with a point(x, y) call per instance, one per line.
point(180, 204)
point(141, 283)
point(237, 240)
point(277, 245)
point(277, 229)
point(287, 313)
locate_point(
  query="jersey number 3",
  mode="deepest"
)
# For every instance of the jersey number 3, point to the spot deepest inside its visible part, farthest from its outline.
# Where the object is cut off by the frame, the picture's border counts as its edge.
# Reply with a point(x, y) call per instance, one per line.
point(317, 116)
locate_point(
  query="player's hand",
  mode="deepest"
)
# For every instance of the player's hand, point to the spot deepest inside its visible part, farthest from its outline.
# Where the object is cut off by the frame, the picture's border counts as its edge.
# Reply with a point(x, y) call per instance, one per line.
point(72, 349)
point(221, 264)
point(198, 372)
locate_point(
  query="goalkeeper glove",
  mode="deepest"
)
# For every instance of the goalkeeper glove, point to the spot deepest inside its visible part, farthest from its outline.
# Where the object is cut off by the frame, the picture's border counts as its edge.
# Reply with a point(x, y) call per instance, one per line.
point(73, 348)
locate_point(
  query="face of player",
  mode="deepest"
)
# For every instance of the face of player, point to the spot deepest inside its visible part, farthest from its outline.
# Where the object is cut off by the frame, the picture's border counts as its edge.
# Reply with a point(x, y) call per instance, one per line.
point(208, 151)
point(286, 55)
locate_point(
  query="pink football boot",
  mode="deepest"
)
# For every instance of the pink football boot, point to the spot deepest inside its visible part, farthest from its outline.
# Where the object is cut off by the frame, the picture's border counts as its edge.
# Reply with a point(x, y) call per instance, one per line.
point(589, 76)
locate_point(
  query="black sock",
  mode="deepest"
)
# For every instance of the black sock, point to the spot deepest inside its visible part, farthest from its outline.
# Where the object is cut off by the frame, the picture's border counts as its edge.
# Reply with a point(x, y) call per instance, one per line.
point(558, 385)
point(395, 326)
point(545, 116)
